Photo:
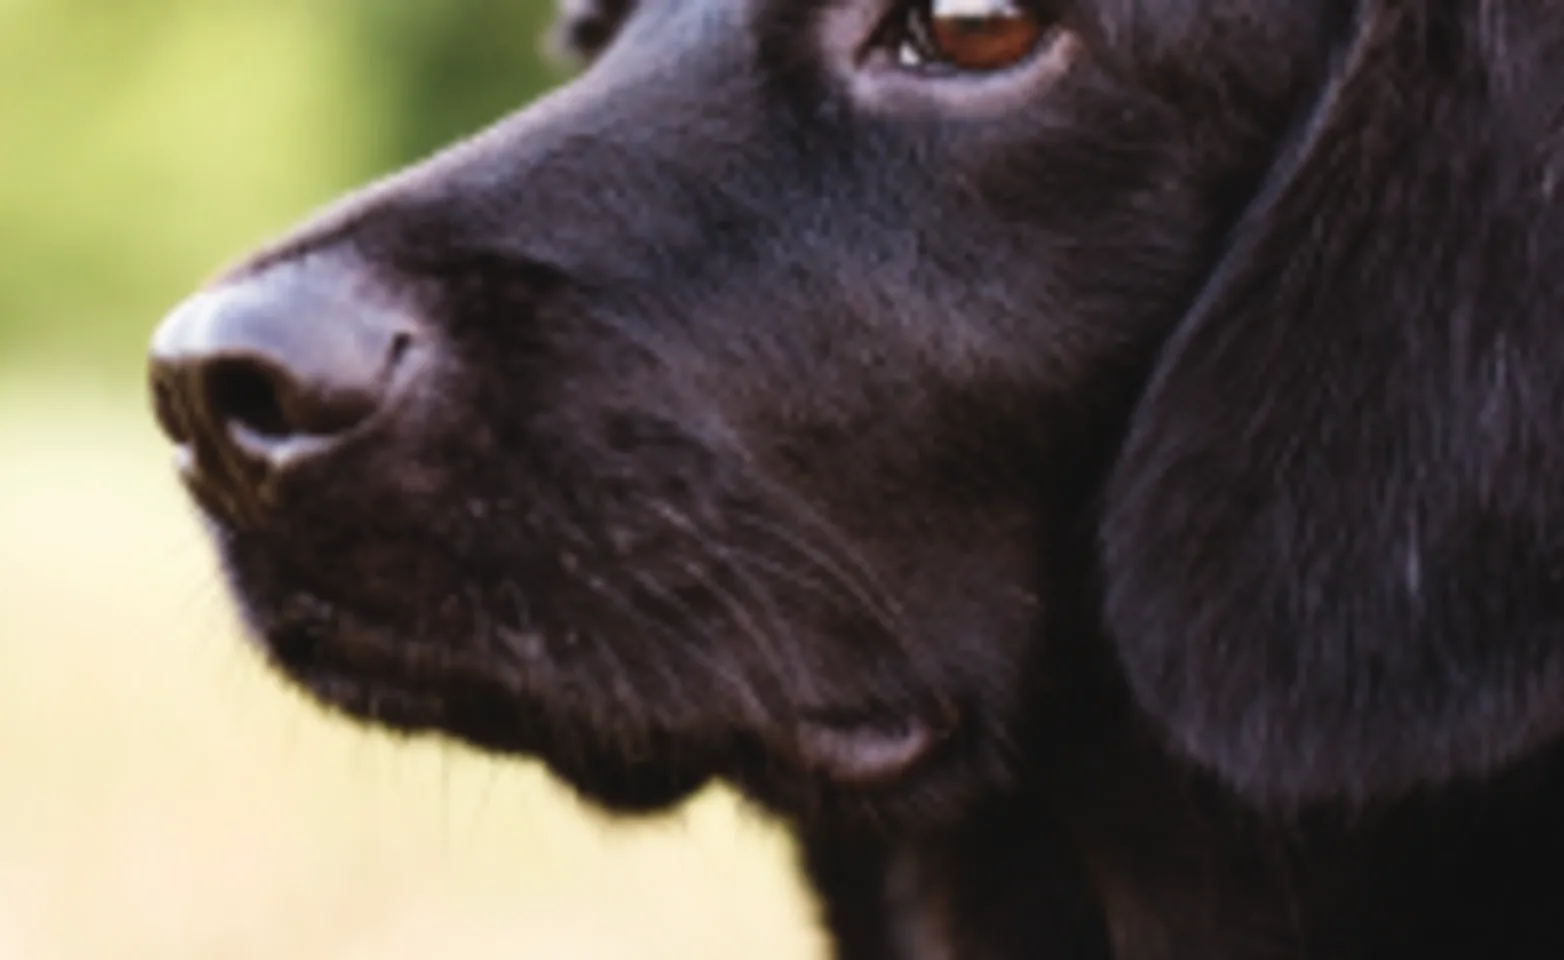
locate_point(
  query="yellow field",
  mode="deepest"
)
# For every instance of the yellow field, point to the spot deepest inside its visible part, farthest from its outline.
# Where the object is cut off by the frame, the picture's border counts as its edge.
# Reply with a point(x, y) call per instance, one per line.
point(162, 797)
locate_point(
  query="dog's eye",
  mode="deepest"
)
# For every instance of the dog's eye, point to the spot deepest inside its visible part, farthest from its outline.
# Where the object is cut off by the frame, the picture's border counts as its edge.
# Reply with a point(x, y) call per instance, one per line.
point(975, 36)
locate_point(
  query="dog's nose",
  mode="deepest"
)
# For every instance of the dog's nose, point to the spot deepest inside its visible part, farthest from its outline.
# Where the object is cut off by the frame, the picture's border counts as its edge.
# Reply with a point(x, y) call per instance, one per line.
point(254, 374)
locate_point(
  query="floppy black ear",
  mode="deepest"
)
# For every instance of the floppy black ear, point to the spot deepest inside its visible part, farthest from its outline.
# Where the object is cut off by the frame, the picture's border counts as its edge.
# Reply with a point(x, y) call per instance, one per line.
point(1334, 541)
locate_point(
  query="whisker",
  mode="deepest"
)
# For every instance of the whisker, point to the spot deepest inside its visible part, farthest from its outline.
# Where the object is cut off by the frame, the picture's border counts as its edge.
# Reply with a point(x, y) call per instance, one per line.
point(868, 591)
point(742, 683)
point(768, 641)
point(870, 594)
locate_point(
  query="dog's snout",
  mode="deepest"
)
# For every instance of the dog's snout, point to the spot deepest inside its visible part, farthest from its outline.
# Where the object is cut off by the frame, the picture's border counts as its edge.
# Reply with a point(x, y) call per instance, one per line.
point(250, 375)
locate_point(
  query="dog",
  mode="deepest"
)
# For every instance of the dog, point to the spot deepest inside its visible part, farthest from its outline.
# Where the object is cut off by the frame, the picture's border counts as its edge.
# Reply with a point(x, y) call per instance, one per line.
point(1089, 468)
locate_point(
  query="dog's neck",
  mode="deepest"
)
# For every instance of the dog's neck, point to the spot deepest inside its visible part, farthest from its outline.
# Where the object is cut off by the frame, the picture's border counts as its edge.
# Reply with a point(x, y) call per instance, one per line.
point(999, 887)
point(1167, 866)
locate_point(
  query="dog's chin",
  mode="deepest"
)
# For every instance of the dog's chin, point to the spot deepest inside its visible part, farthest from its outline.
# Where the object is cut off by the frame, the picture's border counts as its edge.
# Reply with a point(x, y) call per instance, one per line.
point(375, 676)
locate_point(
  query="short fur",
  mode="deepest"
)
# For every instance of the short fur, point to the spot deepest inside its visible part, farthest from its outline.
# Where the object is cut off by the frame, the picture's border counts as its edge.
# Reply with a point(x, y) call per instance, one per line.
point(1175, 446)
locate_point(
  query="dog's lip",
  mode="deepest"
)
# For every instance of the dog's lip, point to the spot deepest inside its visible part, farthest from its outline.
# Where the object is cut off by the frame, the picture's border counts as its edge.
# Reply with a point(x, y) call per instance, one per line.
point(373, 675)
point(378, 674)
point(393, 704)
point(380, 685)
point(317, 639)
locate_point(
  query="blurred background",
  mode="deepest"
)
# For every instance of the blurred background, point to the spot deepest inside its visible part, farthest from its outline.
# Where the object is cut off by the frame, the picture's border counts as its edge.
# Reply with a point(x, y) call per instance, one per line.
point(161, 796)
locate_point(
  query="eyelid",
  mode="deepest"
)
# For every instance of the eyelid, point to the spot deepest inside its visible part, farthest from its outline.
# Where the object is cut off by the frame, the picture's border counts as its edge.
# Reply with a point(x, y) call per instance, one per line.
point(878, 80)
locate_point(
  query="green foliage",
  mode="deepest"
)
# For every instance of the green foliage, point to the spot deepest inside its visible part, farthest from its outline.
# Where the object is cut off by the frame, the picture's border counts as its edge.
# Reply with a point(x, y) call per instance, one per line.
point(146, 142)
point(450, 66)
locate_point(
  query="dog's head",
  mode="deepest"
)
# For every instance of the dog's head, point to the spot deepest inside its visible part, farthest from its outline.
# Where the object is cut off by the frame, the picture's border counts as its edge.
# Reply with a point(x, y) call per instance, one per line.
point(723, 413)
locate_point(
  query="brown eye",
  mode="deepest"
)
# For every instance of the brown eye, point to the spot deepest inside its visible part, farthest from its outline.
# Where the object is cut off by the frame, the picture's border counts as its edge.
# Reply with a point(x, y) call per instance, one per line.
point(979, 36)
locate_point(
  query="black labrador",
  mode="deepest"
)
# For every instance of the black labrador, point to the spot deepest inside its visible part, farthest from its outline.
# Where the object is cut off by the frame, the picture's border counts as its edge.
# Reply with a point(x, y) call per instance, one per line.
point(1093, 467)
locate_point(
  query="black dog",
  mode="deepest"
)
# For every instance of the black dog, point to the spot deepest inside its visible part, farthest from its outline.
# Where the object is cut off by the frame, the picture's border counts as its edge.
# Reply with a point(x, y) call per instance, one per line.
point(1093, 467)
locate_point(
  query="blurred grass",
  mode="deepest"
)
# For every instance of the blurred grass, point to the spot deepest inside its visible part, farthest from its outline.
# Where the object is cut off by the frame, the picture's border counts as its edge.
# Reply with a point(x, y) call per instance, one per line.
point(161, 796)
point(146, 141)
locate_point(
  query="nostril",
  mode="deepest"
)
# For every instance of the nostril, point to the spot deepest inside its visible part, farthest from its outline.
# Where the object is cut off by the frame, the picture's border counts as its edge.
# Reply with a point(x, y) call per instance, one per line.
point(169, 408)
point(245, 393)
point(400, 344)
point(261, 373)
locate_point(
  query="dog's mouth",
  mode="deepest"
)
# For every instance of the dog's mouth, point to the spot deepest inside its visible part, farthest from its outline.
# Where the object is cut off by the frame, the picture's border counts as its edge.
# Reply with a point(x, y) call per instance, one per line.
point(372, 672)
point(366, 671)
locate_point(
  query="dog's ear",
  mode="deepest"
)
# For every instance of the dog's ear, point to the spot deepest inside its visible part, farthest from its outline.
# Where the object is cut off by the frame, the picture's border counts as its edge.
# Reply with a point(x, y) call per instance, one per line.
point(1333, 542)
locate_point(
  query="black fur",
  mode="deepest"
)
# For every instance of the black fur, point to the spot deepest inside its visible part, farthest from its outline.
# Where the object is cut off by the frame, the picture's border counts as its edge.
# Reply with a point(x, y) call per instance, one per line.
point(1334, 543)
point(1158, 438)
